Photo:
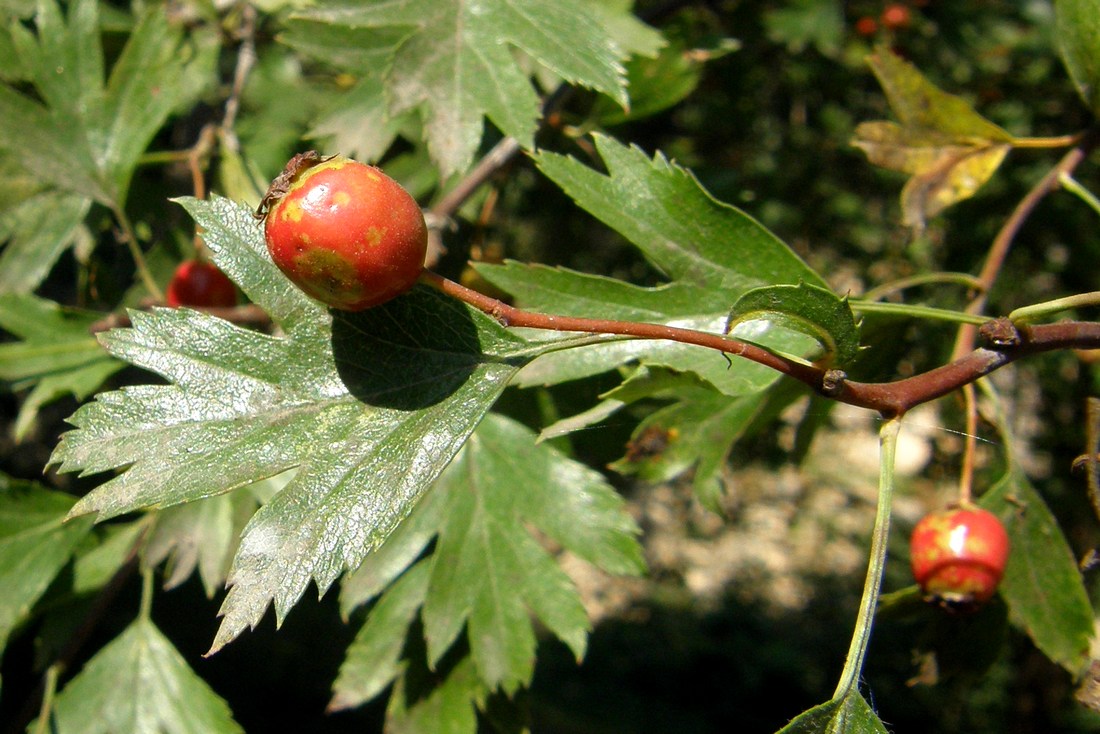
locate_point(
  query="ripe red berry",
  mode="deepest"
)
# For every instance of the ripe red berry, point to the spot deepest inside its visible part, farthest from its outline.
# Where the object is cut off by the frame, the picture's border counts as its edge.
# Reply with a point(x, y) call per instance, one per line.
point(866, 26)
point(958, 555)
point(896, 16)
point(200, 284)
point(344, 232)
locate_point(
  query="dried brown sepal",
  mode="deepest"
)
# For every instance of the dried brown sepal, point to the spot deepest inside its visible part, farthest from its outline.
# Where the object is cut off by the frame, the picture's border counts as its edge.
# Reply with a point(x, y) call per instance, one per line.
point(281, 184)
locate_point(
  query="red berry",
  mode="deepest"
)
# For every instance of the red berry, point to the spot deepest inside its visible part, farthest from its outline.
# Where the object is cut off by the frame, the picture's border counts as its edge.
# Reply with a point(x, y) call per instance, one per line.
point(866, 26)
point(344, 232)
point(958, 555)
point(200, 284)
point(896, 17)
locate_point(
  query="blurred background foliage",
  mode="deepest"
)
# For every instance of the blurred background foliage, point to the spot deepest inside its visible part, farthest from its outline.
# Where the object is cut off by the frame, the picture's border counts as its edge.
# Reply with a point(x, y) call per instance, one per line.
point(769, 95)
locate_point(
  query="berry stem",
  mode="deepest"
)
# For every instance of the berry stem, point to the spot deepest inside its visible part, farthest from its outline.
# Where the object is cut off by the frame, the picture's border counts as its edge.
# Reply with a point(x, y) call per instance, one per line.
point(861, 635)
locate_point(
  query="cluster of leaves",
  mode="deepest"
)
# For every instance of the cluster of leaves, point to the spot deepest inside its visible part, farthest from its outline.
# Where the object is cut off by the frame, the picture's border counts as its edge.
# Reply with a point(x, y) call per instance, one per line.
point(364, 449)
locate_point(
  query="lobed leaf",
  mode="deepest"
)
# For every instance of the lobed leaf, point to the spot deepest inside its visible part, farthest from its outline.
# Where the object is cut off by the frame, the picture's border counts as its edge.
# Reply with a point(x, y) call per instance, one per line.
point(140, 683)
point(457, 63)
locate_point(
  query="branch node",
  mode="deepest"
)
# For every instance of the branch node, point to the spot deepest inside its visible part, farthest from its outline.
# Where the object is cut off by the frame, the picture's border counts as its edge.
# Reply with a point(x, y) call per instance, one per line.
point(1000, 333)
point(832, 382)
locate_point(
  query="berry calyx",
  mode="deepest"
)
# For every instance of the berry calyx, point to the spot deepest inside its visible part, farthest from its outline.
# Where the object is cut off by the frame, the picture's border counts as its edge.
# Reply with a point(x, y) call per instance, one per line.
point(344, 232)
point(200, 284)
point(958, 556)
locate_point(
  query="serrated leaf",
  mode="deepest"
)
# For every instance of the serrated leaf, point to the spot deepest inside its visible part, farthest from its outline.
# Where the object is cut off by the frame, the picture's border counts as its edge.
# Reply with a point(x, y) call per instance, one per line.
point(1078, 27)
point(85, 136)
point(36, 233)
point(712, 253)
point(370, 407)
point(817, 312)
point(34, 546)
point(357, 123)
point(373, 659)
point(948, 148)
point(140, 683)
point(1042, 584)
point(447, 706)
point(488, 572)
point(57, 356)
point(850, 714)
point(458, 64)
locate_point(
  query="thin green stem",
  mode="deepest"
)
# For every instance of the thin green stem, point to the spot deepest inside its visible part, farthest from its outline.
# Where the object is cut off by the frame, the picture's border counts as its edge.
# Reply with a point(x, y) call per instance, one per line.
point(45, 711)
point(917, 312)
point(861, 635)
point(1060, 141)
point(1070, 184)
point(1037, 310)
point(964, 279)
point(135, 252)
point(146, 608)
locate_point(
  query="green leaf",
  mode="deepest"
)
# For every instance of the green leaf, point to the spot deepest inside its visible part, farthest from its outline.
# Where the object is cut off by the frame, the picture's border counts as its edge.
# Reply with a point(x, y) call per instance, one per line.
point(58, 356)
point(370, 407)
point(373, 659)
point(35, 545)
point(437, 702)
point(848, 715)
point(490, 574)
point(357, 123)
point(803, 23)
point(712, 253)
point(37, 232)
point(817, 312)
point(140, 683)
point(85, 137)
point(458, 64)
point(948, 148)
point(1078, 27)
point(1042, 585)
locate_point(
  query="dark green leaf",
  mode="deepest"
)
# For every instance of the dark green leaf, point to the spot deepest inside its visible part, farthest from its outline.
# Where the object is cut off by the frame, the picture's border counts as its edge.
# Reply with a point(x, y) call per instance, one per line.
point(140, 683)
point(373, 659)
point(458, 65)
point(849, 715)
point(1078, 27)
point(489, 573)
point(370, 407)
point(445, 704)
point(34, 546)
point(37, 232)
point(808, 309)
point(1042, 584)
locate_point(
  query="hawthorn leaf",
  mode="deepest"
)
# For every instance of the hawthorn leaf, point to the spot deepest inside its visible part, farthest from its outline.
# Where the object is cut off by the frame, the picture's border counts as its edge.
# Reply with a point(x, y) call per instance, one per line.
point(850, 714)
point(140, 683)
point(37, 231)
point(458, 65)
point(489, 573)
point(442, 701)
point(85, 136)
point(816, 312)
point(711, 252)
point(1042, 584)
point(35, 544)
point(948, 149)
point(56, 354)
point(374, 658)
point(1078, 28)
point(369, 407)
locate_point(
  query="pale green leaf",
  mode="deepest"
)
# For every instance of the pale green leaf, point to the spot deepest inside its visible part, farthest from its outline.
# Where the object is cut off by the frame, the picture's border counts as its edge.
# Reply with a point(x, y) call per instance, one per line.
point(37, 232)
point(140, 684)
point(458, 64)
point(369, 406)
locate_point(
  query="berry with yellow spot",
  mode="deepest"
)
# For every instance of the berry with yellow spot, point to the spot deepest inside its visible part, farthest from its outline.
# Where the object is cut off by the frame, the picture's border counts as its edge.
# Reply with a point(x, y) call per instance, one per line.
point(344, 232)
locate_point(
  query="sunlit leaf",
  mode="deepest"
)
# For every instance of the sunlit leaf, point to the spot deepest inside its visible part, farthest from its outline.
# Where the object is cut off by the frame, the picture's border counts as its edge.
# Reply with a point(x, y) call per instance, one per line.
point(948, 148)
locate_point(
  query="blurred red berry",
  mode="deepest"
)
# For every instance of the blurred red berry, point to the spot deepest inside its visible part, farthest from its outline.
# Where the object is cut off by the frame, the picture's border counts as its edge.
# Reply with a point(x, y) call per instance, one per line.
point(866, 26)
point(896, 16)
point(200, 284)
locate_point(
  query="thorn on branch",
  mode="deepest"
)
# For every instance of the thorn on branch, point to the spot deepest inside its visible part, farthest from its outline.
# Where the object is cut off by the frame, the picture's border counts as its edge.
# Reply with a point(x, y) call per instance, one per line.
point(832, 382)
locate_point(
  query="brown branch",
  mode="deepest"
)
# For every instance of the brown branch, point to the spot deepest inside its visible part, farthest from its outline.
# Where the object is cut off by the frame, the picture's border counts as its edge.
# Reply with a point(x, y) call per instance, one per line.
point(1005, 343)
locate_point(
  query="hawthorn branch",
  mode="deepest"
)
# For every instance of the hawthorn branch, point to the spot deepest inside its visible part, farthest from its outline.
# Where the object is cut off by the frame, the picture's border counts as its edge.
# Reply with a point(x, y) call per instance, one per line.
point(1003, 342)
